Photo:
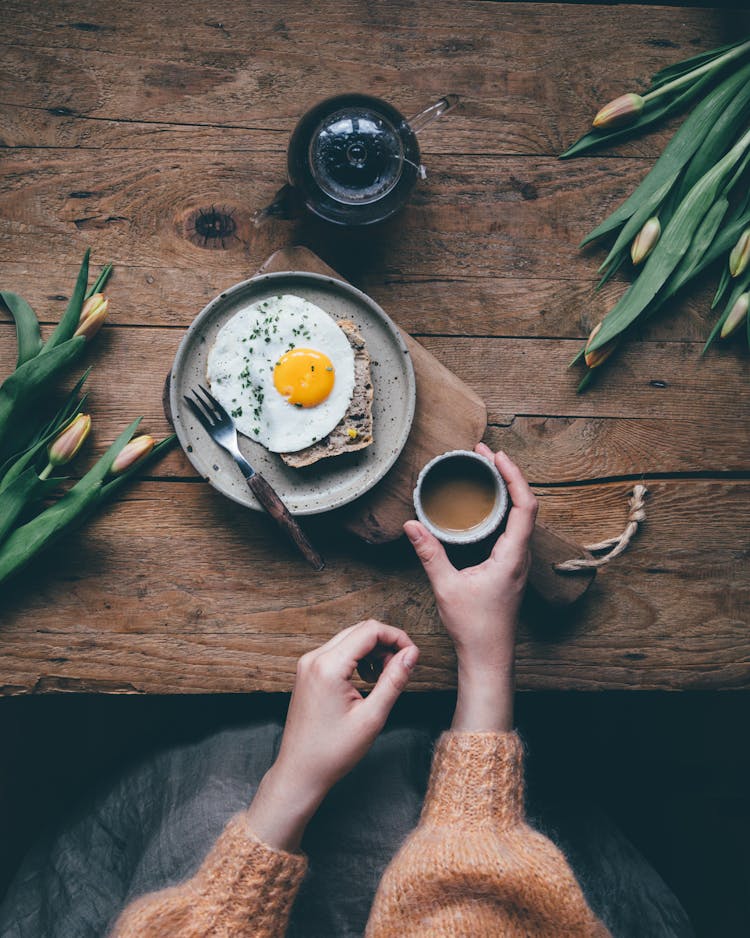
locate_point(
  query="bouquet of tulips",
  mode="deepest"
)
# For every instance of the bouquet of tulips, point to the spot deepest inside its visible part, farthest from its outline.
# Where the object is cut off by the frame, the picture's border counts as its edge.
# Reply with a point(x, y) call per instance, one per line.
point(693, 208)
point(34, 441)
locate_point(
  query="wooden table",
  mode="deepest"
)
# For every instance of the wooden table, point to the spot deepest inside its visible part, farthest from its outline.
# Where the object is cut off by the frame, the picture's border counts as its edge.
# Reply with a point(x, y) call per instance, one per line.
point(150, 133)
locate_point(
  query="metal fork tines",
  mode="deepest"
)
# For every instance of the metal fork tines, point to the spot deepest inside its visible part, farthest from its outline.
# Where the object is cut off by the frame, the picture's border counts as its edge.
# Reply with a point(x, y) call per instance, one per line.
point(219, 425)
point(214, 419)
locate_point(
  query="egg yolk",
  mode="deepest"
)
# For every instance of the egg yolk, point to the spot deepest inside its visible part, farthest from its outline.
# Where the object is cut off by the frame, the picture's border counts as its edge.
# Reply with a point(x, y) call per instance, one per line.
point(304, 377)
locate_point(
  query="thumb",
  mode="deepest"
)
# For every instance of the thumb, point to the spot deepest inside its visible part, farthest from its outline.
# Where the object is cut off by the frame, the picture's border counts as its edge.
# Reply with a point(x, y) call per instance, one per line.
point(430, 551)
point(392, 681)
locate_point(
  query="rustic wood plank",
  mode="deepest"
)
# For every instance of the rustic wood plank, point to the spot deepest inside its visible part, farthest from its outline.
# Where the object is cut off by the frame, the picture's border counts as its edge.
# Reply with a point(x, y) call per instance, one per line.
point(212, 600)
point(513, 376)
point(661, 380)
point(625, 427)
point(475, 252)
point(569, 449)
point(531, 75)
point(496, 304)
point(489, 213)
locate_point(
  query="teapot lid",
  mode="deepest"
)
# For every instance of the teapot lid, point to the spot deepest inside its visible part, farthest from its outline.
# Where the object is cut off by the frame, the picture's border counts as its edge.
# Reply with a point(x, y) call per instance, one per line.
point(356, 155)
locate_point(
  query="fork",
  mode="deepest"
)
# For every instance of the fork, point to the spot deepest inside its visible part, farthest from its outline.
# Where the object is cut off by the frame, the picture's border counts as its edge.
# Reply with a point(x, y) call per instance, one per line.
point(220, 427)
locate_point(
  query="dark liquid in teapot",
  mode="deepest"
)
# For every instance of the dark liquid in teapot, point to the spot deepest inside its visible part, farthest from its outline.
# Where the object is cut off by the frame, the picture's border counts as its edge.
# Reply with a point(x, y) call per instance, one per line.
point(356, 156)
point(354, 159)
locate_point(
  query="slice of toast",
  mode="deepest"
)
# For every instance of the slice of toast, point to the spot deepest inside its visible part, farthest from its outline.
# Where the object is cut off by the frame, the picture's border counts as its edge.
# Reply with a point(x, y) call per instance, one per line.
point(354, 430)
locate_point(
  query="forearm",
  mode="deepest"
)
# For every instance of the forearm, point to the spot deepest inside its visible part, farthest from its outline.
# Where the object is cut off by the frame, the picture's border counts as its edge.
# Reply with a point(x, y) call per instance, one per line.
point(484, 701)
point(282, 808)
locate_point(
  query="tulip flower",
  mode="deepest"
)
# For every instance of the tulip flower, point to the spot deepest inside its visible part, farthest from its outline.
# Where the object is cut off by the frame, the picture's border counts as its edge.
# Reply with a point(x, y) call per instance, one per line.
point(645, 241)
point(93, 314)
point(131, 453)
point(67, 443)
point(736, 315)
point(740, 256)
point(621, 111)
point(596, 357)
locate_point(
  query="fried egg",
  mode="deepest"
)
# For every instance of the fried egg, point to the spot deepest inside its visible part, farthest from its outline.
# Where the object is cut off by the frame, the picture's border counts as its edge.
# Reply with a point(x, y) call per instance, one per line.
point(284, 370)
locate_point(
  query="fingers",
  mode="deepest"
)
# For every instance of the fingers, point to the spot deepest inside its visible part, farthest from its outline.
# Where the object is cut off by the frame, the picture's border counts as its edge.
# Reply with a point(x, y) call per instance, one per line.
point(390, 684)
point(359, 640)
point(430, 551)
point(520, 524)
point(335, 639)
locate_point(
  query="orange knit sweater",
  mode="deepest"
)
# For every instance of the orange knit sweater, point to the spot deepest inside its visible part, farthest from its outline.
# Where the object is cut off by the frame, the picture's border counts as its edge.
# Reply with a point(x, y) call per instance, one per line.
point(472, 868)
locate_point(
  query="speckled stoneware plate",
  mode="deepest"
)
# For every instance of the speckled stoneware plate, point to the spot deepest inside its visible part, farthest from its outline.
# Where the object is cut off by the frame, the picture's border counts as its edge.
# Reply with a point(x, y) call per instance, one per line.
point(329, 483)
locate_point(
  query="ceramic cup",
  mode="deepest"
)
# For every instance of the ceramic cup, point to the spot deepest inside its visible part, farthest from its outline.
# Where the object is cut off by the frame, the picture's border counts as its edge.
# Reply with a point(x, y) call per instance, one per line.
point(484, 528)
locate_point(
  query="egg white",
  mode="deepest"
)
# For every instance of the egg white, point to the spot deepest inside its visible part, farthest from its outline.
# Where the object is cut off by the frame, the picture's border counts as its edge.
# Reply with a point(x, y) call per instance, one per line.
point(241, 363)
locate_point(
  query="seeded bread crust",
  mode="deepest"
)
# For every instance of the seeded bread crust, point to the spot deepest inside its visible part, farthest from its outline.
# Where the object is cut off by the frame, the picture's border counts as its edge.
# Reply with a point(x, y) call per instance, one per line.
point(354, 430)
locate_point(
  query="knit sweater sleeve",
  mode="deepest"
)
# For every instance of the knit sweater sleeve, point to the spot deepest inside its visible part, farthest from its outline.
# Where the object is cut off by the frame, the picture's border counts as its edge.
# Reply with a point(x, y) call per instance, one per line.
point(243, 888)
point(473, 867)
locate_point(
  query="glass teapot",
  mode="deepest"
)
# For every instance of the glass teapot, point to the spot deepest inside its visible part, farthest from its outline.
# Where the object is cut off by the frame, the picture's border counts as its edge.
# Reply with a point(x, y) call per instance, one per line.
point(352, 160)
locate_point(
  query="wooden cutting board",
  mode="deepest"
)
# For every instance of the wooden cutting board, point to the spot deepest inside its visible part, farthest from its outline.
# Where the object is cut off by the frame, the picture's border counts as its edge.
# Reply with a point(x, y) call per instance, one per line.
point(448, 415)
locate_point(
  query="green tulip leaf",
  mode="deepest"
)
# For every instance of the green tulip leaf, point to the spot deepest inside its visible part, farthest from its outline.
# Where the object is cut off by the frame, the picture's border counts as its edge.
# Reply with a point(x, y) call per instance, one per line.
point(67, 326)
point(100, 281)
point(732, 95)
point(72, 406)
point(25, 491)
point(27, 326)
point(649, 115)
point(671, 72)
point(69, 512)
point(671, 247)
point(22, 389)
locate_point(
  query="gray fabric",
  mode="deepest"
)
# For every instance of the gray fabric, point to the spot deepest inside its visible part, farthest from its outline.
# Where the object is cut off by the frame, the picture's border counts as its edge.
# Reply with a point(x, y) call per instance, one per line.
point(153, 828)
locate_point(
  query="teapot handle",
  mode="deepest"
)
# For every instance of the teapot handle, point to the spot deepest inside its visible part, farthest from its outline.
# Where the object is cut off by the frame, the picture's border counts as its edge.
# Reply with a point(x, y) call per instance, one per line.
point(431, 113)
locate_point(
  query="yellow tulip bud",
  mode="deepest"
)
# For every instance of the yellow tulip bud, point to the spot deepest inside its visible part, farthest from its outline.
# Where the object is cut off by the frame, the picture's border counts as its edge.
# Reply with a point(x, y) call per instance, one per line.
point(67, 443)
point(645, 241)
point(622, 110)
point(740, 256)
point(93, 314)
point(598, 356)
point(737, 314)
point(130, 453)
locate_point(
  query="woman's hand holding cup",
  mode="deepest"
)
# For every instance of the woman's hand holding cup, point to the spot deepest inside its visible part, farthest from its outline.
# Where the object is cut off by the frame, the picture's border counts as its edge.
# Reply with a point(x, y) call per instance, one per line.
point(479, 605)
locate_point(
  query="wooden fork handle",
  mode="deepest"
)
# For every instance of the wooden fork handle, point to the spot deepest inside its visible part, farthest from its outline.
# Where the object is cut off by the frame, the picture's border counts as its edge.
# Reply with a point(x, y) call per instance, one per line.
point(265, 494)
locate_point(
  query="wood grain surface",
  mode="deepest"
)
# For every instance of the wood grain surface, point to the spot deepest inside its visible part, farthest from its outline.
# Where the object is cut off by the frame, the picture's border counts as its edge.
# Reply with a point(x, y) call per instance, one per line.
point(123, 130)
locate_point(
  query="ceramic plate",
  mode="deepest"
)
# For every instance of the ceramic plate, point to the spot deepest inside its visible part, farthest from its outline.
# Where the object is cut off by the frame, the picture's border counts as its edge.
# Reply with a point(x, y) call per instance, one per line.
point(329, 483)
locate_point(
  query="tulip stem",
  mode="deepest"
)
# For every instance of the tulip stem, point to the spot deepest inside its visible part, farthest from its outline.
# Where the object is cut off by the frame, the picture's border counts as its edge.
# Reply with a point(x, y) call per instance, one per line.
point(45, 474)
point(701, 70)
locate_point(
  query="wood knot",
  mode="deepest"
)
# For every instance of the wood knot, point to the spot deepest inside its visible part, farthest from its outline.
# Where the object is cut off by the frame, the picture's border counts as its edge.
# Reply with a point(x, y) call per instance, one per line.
point(216, 228)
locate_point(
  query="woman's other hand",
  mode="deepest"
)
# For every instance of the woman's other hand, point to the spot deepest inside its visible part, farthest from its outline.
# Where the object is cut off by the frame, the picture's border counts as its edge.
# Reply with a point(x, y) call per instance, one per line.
point(479, 605)
point(329, 726)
